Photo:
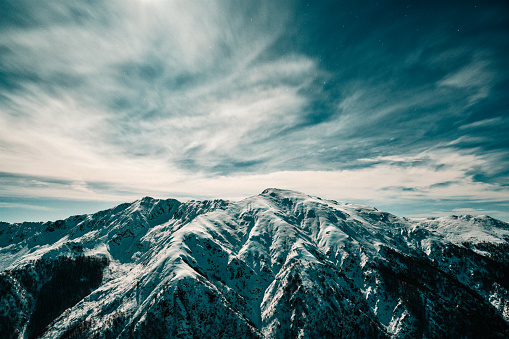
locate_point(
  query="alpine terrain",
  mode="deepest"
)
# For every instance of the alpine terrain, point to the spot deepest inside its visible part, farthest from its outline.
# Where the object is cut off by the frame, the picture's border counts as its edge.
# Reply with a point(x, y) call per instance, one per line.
point(281, 264)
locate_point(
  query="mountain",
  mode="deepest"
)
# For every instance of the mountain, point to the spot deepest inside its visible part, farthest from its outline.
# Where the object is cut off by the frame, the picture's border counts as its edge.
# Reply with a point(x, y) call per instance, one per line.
point(281, 264)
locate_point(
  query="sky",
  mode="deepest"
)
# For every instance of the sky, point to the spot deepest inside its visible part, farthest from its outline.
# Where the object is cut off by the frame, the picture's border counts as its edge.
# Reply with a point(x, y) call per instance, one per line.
point(401, 105)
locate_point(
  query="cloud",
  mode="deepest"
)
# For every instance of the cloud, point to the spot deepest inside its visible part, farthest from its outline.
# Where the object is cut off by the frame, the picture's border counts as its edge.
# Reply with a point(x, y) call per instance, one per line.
point(475, 78)
point(484, 123)
point(10, 205)
point(112, 100)
point(173, 79)
point(473, 75)
point(440, 174)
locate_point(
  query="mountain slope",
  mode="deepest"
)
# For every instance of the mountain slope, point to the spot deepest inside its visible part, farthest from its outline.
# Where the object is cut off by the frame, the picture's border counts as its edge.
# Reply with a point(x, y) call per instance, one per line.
point(280, 264)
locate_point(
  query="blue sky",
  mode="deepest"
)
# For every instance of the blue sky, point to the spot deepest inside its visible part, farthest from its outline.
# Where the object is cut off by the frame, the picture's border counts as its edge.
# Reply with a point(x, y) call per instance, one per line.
point(402, 105)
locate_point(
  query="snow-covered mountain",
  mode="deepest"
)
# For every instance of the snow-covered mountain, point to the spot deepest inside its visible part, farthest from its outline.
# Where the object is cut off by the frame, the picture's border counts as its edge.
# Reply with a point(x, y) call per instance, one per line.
point(278, 265)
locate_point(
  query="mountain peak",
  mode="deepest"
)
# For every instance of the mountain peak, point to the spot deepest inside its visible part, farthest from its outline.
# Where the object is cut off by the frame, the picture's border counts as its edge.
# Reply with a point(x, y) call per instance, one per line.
point(282, 193)
point(146, 199)
point(279, 264)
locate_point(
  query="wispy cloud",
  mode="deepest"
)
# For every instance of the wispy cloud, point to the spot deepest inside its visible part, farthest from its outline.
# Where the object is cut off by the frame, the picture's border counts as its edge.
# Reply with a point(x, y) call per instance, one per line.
point(484, 123)
point(175, 79)
point(25, 206)
point(112, 100)
point(474, 78)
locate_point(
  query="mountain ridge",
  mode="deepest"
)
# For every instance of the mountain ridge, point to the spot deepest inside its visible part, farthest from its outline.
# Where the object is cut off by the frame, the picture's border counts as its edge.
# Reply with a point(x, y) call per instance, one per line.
point(278, 264)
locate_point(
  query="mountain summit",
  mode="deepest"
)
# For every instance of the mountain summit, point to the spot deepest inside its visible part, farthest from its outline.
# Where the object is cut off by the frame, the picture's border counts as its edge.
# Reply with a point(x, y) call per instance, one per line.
point(281, 264)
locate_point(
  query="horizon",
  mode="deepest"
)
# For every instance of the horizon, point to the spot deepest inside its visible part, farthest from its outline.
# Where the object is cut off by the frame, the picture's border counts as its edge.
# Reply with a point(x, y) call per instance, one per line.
point(400, 105)
point(89, 209)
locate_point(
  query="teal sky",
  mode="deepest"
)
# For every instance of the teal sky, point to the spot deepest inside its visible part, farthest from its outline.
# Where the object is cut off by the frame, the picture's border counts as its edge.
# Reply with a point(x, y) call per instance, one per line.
point(402, 105)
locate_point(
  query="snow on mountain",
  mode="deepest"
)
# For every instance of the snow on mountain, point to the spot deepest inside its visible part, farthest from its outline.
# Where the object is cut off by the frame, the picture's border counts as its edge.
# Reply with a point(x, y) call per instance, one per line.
point(280, 264)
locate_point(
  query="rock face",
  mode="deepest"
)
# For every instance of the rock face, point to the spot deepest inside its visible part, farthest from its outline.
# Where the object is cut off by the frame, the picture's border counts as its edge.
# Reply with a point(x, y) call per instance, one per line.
point(278, 265)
